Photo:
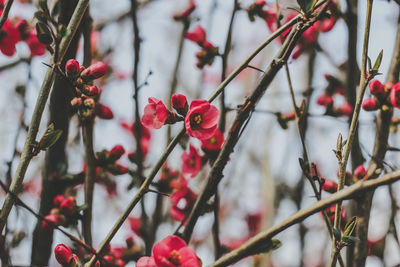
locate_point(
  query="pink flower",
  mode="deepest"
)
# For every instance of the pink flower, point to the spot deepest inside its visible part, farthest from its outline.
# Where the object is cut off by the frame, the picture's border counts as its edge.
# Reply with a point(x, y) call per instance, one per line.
point(345, 110)
point(376, 88)
point(214, 143)
point(325, 100)
point(36, 47)
point(94, 71)
point(135, 225)
point(180, 104)
point(155, 114)
point(9, 37)
point(146, 262)
point(182, 202)
point(395, 95)
point(201, 120)
point(63, 254)
point(191, 161)
point(198, 35)
point(370, 104)
point(173, 251)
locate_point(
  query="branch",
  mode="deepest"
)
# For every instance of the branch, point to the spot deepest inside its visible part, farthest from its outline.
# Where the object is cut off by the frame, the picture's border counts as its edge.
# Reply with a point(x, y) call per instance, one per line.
point(263, 237)
point(26, 156)
point(353, 127)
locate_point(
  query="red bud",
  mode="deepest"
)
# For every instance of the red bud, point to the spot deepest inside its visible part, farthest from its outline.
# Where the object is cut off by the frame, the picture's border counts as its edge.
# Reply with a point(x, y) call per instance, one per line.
point(72, 67)
point(63, 254)
point(117, 151)
point(370, 104)
point(94, 71)
point(104, 112)
point(180, 104)
point(376, 87)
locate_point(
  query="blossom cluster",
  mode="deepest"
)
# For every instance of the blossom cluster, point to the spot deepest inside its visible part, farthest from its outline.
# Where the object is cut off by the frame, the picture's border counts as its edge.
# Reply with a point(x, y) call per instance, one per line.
point(65, 213)
point(273, 16)
point(86, 94)
point(208, 51)
point(383, 96)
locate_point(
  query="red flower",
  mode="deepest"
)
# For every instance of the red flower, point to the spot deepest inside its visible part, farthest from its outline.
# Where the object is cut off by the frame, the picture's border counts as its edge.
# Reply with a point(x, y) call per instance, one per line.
point(185, 13)
point(182, 202)
point(67, 206)
point(116, 152)
point(359, 172)
point(345, 110)
point(155, 114)
point(103, 111)
point(51, 221)
point(329, 186)
point(173, 251)
point(395, 95)
point(214, 143)
point(146, 262)
point(135, 224)
point(36, 47)
point(58, 199)
point(63, 254)
point(198, 35)
point(180, 104)
point(325, 100)
point(94, 71)
point(201, 120)
point(191, 161)
point(9, 37)
point(370, 104)
point(376, 88)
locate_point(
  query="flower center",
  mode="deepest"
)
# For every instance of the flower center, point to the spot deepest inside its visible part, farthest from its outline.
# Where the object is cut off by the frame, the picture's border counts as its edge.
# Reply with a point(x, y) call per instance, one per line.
point(192, 162)
point(198, 119)
point(175, 258)
point(212, 140)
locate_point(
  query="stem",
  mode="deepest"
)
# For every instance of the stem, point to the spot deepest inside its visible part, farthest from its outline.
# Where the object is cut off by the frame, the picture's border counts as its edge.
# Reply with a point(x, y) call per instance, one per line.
point(353, 127)
point(265, 236)
point(87, 134)
point(26, 155)
point(174, 80)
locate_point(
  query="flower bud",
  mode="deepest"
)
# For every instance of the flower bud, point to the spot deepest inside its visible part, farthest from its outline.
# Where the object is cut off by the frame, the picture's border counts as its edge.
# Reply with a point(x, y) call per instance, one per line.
point(57, 200)
point(359, 172)
point(63, 254)
point(180, 104)
point(118, 169)
point(376, 87)
point(129, 242)
point(104, 112)
point(92, 90)
point(76, 102)
point(50, 222)
point(116, 152)
point(68, 205)
point(345, 110)
point(94, 71)
point(72, 67)
point(329, 186)
point(370, 104)
point(89, 103)
point(325, 100)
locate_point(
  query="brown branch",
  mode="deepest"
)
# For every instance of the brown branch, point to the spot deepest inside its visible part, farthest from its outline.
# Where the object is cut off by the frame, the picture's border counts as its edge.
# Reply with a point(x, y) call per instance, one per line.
point(4, 15)
point(264, 237)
